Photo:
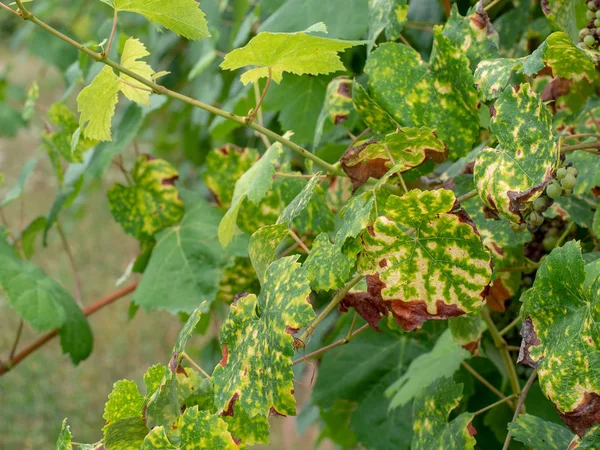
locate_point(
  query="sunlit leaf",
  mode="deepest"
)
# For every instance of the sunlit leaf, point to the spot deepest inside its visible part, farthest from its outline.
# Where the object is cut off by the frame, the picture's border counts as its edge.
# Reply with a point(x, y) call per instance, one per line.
point(135, 91)
point(540, 434)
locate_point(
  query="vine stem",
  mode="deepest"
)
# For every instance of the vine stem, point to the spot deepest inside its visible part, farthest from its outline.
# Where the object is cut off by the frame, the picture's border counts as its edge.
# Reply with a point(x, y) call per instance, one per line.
point(13, 350)
point(491, 5)
point(510, 326)
point(3, 6)
point(322, 350)
point(564, 236)
point(338, 297)
point(485, 382)
point(161, 90)
point(42, 340)
point(502, 347)
point(583, 146)
point(112, 34)
point(195, 365)
point(467, 196)
point(299, 241)
point(520, 405)
point(493, 405)
point(581, 135)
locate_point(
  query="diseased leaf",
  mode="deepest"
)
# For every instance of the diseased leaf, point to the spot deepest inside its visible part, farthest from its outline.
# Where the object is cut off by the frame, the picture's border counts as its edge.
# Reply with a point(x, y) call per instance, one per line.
point(590, 441)
point(124, 401)
point(188, 263)
point(442, 361)
point(338, 100)
point(355, 216)
point(540, 434)
point(298, 53)
point(388, 15)
point(374, 116)
point(558, 53)
point(249, 430)
point(561, 336)
point(406, 88)
point(182, 17)
point(467, 331)
point(406, 148)
point(43, 303)
point(518, 170)
point(263, 247)
point(330, 265)
point(473, 34)
point(152, 203)
point(64, 438)
point(253, 185)
point(431, 410)
point(255, 372)
point(566, 15)
point(238, 277)
point(300, 202)
point(439, 270)
point(125, 434)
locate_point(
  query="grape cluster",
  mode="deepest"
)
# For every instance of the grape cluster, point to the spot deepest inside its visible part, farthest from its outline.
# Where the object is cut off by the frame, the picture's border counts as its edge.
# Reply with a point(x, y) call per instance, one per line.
point(565, 179)
point(589, 35)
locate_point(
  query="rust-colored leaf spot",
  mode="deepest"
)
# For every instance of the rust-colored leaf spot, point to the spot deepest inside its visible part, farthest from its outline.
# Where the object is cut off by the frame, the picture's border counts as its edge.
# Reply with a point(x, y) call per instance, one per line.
point(529, 339)
point(585, 416)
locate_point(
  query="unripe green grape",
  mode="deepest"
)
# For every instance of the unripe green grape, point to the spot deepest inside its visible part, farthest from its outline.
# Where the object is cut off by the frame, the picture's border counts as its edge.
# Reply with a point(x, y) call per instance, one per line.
point(572, 171)
point(561, 173)
point(597, 23)
point(554, 190)
point(584, 32)
point(591, 5)
point(590, 15)
point(518, 227)
point(582, 45)
point(550, 242)
point(532, 228)
point(589, 41)
point(527, 281)
point(569, 181)
point(540, 204)
point(535, 219)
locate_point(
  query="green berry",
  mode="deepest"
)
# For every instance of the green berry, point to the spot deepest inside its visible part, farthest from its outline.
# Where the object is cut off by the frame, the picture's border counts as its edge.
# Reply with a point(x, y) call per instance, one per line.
point(540, 204)
point(535, 219)
point(584, 32)
point(532, 228)
point(597, 23)
point(554, 190)
point(598, 14)
point(561, 173)
point(569, 181)
point(590, 15)
point(549, 242)
point(572, 171)
point(591, 5)
point(590, 41)
point(582, 45)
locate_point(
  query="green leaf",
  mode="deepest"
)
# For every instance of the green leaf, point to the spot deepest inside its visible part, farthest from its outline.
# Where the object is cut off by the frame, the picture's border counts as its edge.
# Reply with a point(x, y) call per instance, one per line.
point(256, 371)
point(431, 411)
point(199, 430)
point(442, 361)
point(253, 185)
point(249, 430)
point(125, 434)
point(152, 203)
point(263, 247)
point(44, 304)
point(224, 166)
point(17, 190)
point(182, 17)
point(328, 265)
point(540, 434)
point(596, 222)
point(591, 440)
point(96, 103)
point(164, 405)
point(561, 332)
point(566, 15)
point(29, 235)
point(473, 34)
point(406, 148)
point(32, 97)
point(388, 15)
point(406, 88)
point(444, 245)
point(64, 438)
point(124, 401)
point(374, 116)
point(135, 91)
point(298, 53)
point(558, 53)
point(187, 263)
point(467, 331)
point(519, 168)
point(238, 277)
point(300, 202)
point(355, 216)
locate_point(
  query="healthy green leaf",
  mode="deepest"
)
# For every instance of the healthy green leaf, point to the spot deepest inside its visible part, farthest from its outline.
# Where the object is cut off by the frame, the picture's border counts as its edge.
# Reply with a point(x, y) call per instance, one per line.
point(406, 88)
point(253, 185)
point(519, 168)
point(135, 91)
point(561, 335)
point(152, 203)
point(431, 427)
point(182, 17)
point(299, 53)
point(439, 270)
point(255, 373)
point(442, 361)
point(540, 434)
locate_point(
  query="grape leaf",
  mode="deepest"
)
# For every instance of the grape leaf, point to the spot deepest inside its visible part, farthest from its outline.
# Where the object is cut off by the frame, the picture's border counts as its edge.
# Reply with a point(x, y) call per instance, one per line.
point(406, 147)
point(263, 247)
point(182, 17)
point(124, 401)
point(467, 331)
point(249, 430)
point(557, 52)
point(442, 361)
point(430, 419)
point(152, 203)
point(338, 100)
point(188, 263)
point(473, 34)
point(17, 190)
point(164, 405)
point(520, 167)
point(388, 15)
point(238, 277)
point(44, 304)
point(438, 95)
point(300, 202)
point(199, 430)
point(135, 91)
point(591, 440)
point(125, 434)
point(540, 434)
point(355, 217)
point(64, 438)
point(374, 116)
point(561, 332)
point(224, 166)
point(444, 246)
point(566, 15)
point(328, 265)
point(299, 53)
point(253, 185)
point(255, 372)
